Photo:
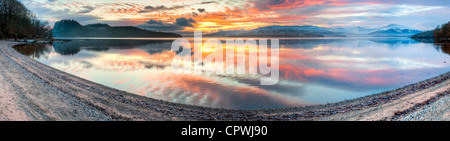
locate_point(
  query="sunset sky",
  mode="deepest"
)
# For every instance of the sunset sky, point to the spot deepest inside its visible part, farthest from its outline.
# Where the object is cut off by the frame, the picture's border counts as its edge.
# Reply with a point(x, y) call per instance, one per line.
point(215, 15)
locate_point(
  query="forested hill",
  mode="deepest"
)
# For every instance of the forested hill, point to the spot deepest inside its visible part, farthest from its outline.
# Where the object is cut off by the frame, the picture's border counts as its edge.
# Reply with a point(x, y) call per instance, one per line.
point(440, 33)
point(17, 22)
point(71, 28)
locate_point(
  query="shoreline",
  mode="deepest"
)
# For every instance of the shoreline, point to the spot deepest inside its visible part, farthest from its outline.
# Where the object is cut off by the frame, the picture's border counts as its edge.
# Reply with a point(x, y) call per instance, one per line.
point(34, 91)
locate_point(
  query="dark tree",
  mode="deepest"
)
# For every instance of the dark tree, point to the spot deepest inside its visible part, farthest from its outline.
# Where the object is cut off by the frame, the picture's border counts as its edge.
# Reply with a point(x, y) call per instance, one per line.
point(442, 32)
point(17, 22)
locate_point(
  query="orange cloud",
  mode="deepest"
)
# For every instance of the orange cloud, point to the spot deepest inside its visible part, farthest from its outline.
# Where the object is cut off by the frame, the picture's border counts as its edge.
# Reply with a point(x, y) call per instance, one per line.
point(236, 19)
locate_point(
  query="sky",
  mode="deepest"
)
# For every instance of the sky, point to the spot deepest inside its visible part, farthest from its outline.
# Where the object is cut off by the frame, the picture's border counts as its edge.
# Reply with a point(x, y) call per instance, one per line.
point(183, 16)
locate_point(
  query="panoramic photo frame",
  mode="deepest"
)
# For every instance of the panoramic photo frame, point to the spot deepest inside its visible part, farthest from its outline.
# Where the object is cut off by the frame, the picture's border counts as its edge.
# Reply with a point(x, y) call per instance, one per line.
point(224, 68)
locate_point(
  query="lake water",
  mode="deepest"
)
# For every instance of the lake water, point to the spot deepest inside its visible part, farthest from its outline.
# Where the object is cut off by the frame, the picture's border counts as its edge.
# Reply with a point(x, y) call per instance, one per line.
point(312, 71)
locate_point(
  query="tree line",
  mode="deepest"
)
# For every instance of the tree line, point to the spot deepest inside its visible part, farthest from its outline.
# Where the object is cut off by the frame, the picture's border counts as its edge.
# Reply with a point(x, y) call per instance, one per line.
point(17, 22)
point(442, 32)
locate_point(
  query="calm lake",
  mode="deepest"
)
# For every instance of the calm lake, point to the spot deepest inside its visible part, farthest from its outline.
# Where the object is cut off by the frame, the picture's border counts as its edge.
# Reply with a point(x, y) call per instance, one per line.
point(312, 71)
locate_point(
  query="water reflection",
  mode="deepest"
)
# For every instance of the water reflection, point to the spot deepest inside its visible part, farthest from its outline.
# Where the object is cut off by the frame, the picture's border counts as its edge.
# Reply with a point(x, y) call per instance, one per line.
point(73, 47)
point(312, 71)
point(34, 50)
point(443, 47)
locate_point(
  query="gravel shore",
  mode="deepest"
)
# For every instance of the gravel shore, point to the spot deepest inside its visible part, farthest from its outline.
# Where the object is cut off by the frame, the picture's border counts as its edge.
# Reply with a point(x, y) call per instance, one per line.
point(30, 90)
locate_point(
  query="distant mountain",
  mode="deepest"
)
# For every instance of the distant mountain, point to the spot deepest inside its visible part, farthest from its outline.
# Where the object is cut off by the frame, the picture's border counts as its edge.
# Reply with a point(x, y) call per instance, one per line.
point(278, 31)
point(352, 30)
point(315, 31)
point(388, 30)
point(285, 31)
point(71, 28)
point(396, 29)
point(229, 33)
point(307, 28)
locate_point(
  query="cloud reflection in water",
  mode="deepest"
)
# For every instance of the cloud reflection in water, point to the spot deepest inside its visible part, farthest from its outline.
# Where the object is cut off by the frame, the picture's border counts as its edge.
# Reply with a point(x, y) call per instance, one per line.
point(312, 71)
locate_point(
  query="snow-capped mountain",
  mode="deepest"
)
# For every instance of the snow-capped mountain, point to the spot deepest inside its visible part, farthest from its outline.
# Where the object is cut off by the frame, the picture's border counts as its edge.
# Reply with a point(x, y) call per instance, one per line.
point(395, 29)
point(395, 26)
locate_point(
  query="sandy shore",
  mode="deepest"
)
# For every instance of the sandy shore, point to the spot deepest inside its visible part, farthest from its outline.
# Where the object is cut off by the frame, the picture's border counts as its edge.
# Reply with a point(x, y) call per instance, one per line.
point(30, 90)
